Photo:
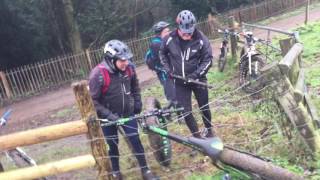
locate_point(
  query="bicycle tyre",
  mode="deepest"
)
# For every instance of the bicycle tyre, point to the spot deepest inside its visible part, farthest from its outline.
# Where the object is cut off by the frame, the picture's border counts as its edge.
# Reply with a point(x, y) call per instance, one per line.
point(222, 59)
point(255, 165)
point(161, 146)
point(244, 76)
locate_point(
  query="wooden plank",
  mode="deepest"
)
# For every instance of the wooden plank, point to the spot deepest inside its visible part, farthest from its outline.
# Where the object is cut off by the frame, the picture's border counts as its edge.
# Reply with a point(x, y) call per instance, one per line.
point(312, 110)
point(296, 112)
point(17, 77)
point(285, 45)
point(12, 82)
point(233, 39)
point(44, 134)
point(299, 87)
point(290, 58)
point(252, 164)
point(33, 82)
point(95, 134)
point(48, 169)
point(6, 85)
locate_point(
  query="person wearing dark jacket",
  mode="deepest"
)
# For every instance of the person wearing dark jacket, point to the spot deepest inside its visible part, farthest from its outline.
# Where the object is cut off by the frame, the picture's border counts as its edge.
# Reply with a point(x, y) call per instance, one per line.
point(115, 92)
point(187, 52)
point(161, 29)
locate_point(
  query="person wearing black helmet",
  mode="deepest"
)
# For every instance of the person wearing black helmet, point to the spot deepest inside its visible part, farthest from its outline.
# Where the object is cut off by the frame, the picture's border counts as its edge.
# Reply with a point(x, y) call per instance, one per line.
point(187, 52)
point(160, 29)
point(115, 92)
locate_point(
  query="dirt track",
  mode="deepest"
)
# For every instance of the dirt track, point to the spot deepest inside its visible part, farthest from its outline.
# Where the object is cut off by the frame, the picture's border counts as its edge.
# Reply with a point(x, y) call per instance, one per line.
point(39, 107)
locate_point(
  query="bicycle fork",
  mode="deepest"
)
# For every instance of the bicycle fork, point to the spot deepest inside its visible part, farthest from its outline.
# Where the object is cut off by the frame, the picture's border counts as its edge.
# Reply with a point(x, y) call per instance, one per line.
point(249, 64)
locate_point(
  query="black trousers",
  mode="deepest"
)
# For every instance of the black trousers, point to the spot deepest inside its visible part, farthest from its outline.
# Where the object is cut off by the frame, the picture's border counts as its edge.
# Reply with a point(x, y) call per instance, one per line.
point(168, 86)
point(183, 95)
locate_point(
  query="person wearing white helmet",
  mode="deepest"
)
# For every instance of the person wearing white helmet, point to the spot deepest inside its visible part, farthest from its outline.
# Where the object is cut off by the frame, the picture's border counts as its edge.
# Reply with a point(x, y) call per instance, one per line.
point(186, 52)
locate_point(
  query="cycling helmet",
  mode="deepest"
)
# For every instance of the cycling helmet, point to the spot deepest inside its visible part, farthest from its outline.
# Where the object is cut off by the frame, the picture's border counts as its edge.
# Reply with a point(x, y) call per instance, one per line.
point(186, 21)
point(116, 49)
point(159, 26)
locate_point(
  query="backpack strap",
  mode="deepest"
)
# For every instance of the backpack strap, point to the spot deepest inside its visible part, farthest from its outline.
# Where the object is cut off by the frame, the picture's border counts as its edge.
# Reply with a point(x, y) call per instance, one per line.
point(129, 71)
point(106, 78)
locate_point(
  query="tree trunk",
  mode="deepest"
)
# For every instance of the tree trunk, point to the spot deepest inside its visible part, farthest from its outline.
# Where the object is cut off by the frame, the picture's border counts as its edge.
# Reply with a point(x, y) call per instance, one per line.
point(72, 27)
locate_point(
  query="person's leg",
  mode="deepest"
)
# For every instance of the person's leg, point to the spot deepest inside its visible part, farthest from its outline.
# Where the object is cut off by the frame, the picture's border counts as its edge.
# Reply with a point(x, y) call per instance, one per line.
point(169, 90)
point(201, 94)
point(111, 136)
point(131, 130)
point(183, 95)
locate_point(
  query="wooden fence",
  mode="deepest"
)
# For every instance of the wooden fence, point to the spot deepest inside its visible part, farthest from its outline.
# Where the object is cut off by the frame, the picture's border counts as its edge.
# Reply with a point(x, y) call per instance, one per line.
point(268, 8)
point(291, 94)
point(88, 125)
point(33, 78)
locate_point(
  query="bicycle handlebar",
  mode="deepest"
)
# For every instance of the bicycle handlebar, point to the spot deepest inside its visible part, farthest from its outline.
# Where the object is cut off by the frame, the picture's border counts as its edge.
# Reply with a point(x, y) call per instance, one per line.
point(193, 81)
point(4, 118)
point(156, 112)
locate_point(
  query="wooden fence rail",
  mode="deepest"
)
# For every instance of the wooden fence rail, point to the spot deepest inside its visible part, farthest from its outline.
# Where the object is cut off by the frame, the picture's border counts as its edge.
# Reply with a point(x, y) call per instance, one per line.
point(88, 126)
point(31, 79)
point(289, 92)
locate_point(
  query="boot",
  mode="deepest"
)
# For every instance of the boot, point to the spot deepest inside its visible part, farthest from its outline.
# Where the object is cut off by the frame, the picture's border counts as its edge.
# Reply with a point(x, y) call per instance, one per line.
point(117, 176)
point(148, 175)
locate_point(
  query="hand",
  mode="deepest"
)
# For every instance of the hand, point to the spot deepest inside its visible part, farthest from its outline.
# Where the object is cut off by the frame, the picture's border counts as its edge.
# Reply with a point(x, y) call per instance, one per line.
point(113, 117)
point(192, 76)
point(137, 108)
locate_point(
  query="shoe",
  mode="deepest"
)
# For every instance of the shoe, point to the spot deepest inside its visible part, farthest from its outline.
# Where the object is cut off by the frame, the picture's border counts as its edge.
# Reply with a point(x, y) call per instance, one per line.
point(117, 176)
point(210, 133)
point(148, 175)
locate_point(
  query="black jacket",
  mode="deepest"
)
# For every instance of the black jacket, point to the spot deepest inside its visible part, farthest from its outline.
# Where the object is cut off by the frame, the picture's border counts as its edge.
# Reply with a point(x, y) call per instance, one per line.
point(122, 99)
point(186, 57)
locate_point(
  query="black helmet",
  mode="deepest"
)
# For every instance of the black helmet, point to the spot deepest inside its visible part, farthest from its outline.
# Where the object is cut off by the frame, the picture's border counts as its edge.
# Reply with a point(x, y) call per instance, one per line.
point(159, 26)
point(116, 49)
point(186, 21)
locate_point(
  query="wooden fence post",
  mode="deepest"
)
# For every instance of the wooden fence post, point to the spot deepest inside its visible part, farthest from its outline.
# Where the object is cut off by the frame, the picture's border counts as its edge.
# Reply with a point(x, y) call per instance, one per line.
point(6, 84)
point(307, 12)
point(87, 52)
point(285, 45)
point(295, 111)
point(95, 133)
point(233, 38)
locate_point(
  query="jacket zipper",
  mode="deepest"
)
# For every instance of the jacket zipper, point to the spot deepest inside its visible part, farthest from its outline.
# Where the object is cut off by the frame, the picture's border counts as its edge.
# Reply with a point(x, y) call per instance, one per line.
point(123, 91)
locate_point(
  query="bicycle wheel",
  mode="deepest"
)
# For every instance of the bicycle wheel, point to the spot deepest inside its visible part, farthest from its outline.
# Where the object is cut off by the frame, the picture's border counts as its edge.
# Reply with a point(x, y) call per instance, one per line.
point(161, 145)
point(257, 167)
point(257, 62)
point(222, 59)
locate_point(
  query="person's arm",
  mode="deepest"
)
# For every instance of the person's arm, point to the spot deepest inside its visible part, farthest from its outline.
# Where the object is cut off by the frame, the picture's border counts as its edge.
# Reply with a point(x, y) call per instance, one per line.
point(163, 53)
point(95, 90)
point(136, 92)
point(205, 59)
point(155, 48)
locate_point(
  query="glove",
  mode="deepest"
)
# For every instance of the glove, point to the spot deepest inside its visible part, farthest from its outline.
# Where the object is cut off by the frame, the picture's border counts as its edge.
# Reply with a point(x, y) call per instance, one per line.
point(192, 76)
point(137, 108)
point(113, 117)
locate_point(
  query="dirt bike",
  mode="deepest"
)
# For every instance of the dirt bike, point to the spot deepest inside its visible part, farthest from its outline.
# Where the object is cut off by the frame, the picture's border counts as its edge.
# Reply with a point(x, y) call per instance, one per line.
point(251, 61)
point(245, 165)
point(16, 155)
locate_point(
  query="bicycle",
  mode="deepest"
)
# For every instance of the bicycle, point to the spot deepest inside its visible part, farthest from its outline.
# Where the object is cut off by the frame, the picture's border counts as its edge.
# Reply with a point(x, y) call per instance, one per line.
point(251, 61)
point(224, 157)
point(16, 155)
